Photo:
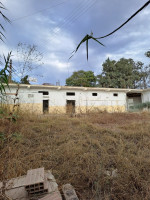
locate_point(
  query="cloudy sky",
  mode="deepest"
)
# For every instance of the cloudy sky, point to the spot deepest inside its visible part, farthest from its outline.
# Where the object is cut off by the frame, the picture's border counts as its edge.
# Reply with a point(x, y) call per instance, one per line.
point(57, 26)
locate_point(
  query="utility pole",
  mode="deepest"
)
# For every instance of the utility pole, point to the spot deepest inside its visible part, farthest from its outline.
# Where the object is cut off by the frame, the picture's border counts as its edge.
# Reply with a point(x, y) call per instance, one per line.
point(10, 72)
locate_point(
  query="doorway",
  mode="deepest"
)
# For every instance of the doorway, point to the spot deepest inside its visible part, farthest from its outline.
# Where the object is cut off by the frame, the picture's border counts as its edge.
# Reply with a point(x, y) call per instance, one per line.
point(133, 100)
point(70, 106)
point(45, 106)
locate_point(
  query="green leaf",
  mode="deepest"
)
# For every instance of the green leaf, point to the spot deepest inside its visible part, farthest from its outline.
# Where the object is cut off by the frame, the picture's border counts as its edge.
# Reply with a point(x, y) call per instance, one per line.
point(87, 48)
point(97, 41)
point(85, 39)
point(3, 75)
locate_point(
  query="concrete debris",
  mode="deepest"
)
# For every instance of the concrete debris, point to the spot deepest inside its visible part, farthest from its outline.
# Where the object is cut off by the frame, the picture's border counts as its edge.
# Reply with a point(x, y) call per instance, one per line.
point(112, 173)
point(37, 184)
point(69, 192)
point(52, 196)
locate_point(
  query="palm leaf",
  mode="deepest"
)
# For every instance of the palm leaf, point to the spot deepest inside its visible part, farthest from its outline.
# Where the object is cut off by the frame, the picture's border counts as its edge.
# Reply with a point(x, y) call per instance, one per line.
point(85, 39)
point(87, 49)
point(97, 41)
point(5, 18)
point(3, 74)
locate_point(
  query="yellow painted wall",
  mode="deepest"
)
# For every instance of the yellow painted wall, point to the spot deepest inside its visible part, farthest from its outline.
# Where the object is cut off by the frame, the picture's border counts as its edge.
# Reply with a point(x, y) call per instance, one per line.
point(85, 109)
point(57, 109)
point(33, 108)
point(37, 108)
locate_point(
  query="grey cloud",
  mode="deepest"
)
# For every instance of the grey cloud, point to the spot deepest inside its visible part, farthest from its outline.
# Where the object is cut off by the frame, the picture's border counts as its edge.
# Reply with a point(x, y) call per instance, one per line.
point(74, 19)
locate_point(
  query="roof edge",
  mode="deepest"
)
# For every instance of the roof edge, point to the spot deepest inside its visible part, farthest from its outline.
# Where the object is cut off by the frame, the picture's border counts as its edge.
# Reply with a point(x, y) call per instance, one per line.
point(76, 88)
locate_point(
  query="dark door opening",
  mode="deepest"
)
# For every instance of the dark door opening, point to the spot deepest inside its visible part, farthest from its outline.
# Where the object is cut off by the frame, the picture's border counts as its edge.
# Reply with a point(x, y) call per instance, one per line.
point(133, 101)
point(70, 107)
point(45, 106)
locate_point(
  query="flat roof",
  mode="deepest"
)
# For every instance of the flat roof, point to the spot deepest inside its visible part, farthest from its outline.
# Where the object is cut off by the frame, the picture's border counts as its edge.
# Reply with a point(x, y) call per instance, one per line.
point(77, 88)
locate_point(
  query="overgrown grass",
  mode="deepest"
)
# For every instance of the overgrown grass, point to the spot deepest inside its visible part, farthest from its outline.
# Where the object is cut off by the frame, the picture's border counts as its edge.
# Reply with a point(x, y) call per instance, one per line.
point(82, 151)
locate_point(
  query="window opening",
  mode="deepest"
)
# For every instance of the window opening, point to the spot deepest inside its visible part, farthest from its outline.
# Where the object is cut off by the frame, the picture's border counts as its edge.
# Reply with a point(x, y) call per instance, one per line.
point(44, 92)
point(70, 93)
point(94, 94)
point(115, 94)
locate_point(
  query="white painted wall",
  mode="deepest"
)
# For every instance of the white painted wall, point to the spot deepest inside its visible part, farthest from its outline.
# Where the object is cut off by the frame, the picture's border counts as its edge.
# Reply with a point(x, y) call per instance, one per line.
point(146, 96)
point(58, 97)
point(83, 96)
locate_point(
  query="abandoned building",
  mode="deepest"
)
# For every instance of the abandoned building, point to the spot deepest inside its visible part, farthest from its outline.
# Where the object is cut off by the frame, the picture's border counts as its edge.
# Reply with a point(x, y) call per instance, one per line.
point(66, 99)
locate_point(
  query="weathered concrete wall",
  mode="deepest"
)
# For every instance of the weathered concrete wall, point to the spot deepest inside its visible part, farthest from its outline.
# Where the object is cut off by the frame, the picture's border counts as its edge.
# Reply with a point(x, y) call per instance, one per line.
point(146, 96)
point(111, 100)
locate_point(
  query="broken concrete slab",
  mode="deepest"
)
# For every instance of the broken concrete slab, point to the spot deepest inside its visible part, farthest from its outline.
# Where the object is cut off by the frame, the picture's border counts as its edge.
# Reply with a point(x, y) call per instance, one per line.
point(17, 193)
point(52, 196)
point(16, 182)
point(69, 192)
point(50, 181)
point(35, 185)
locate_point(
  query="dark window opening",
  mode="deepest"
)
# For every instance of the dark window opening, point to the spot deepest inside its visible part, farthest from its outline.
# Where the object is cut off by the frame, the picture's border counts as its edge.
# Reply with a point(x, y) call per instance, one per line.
point(44, 92)
point(45, 106)
point(70, 93)
point(133, 94)
point(115, 94)
point(70, 106)
point(94, 94)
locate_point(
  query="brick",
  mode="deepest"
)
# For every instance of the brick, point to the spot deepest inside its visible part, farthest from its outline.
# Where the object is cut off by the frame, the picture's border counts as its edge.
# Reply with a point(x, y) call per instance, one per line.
point(35, 176)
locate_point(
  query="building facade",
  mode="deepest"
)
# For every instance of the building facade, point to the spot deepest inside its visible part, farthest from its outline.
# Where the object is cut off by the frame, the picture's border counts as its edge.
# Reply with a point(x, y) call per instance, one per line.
point(64, 99)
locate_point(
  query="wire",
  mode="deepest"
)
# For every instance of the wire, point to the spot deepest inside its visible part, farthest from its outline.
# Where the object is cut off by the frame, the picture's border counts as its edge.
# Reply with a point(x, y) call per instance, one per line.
point(73, 18)
point(144, 6)
point(26, 16)
point(75, 13)
point(84, 11)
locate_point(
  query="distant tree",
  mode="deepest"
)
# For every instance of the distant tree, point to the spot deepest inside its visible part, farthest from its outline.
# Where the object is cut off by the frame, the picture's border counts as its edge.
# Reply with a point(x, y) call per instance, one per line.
point(145, 71)
point(147, 54)
point(29, 58)
point(144, 74)
point(82, 78)
point(124, 73)
point(25, 80)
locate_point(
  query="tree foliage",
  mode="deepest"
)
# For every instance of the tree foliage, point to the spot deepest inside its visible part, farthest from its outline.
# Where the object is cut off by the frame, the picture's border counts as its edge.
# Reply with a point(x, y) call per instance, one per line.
point(147, 54)
point(25, 80)
point(82, 78)
point(125, 73)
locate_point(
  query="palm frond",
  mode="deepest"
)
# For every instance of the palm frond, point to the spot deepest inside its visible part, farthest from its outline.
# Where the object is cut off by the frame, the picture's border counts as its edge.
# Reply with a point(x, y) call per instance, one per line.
point(5, 18)
point(87, 37)
point(3, 74)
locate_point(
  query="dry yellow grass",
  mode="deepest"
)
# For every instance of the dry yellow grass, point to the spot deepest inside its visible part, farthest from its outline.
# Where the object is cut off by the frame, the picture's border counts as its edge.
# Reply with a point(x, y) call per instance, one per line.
point(81, 151)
